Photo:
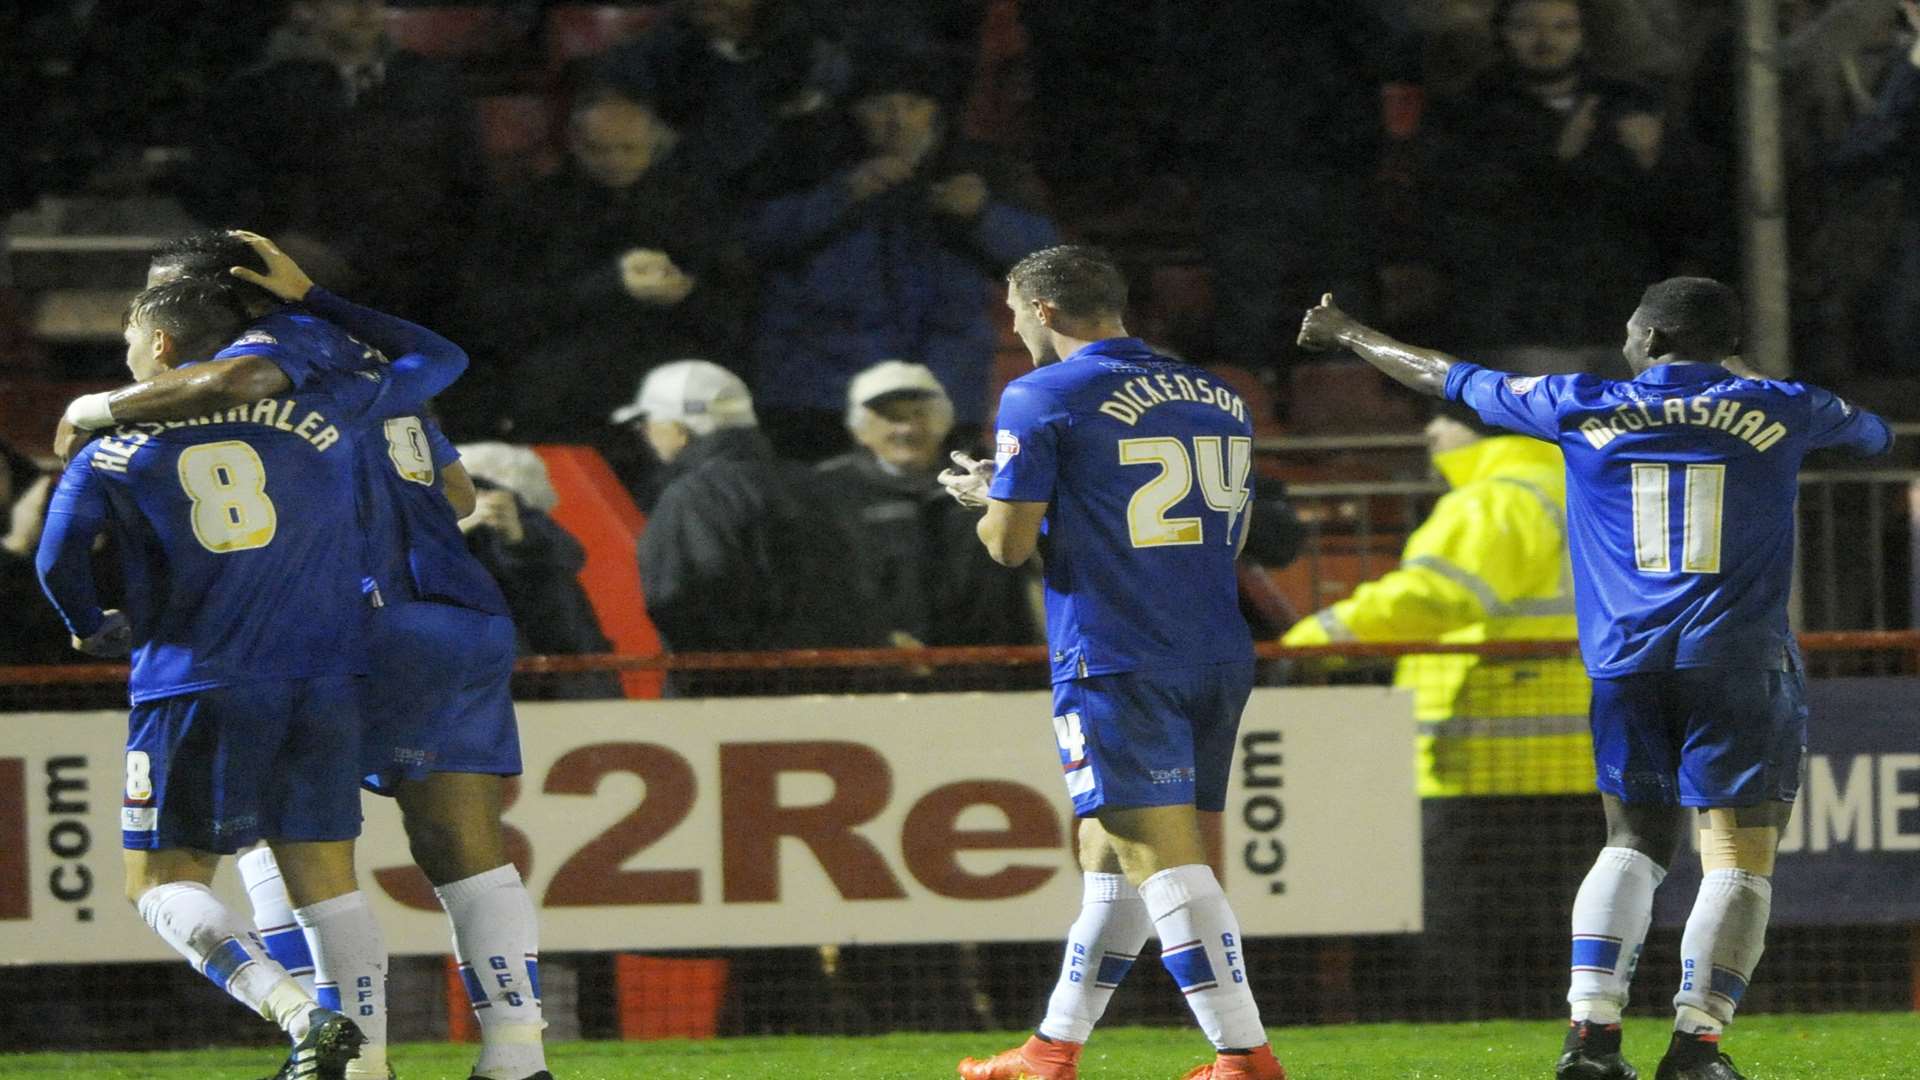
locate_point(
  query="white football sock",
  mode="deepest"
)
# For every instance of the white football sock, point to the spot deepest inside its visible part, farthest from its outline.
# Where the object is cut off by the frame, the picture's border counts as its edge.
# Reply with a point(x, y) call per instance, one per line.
point(190, 918)
point(1722, 944)
point(1101, 947)
point(350, 971)
point(1200, 947)
point(273, 916)
point(496, 939)
point(1611, 914)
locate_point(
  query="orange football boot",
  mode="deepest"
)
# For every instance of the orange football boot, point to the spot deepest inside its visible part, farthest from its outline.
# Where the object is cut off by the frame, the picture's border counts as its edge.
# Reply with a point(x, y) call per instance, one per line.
point(1036, 1059)
point(1260, 1064)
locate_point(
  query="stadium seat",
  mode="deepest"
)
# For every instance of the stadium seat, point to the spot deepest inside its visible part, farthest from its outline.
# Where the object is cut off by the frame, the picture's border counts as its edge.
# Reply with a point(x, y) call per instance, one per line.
point(576, 31)
point(999, 94)
point(517, 131)
point(451, 30)
point(1347, 397)
point(30, 408)
point(597, 510)
point(1259, 399)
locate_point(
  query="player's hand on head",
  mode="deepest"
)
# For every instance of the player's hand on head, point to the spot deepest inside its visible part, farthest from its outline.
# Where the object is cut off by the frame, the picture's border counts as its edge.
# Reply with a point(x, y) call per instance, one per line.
point(968, 480)
point(283, 278)
point(1323, 325)
point(112, 641)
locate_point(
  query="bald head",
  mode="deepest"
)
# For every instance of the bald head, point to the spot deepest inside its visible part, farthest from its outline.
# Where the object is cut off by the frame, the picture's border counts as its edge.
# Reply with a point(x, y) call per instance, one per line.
point(616, 140)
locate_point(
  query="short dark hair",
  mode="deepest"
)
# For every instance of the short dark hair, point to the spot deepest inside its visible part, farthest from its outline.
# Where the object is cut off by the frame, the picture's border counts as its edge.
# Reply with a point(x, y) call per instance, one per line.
point(1700, 316)
point(1079, 279)
point(201, 314)
point(209, 253)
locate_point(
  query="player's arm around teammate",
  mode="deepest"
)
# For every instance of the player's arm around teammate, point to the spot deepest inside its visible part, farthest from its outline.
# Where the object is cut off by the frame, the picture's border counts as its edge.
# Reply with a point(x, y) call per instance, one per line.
point(256, 366)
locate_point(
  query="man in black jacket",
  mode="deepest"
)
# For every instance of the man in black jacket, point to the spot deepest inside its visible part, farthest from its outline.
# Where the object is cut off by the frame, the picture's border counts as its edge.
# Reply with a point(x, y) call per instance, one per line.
point(741, 552)
point(933, 582)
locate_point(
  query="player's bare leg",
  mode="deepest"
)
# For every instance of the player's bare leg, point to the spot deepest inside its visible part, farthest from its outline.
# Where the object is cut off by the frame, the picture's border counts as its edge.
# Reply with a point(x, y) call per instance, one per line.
point(453, 828)
point(349, 954)
point(170, 890)
point(1162, 850)
point(1611, 914)
point(1101, 947)
point(1725, 935)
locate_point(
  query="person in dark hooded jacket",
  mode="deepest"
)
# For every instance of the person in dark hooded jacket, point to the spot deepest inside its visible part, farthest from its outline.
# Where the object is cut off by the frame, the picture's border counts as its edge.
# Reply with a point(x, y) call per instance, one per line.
point(741, 553)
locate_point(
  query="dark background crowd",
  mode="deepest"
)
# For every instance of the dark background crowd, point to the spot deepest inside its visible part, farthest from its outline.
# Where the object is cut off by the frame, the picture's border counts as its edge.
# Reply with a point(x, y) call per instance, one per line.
point(819, 200)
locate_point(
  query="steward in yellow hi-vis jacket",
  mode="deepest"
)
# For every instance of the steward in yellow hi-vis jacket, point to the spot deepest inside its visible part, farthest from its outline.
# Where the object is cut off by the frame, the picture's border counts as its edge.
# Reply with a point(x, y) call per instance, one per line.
point(1490, 564)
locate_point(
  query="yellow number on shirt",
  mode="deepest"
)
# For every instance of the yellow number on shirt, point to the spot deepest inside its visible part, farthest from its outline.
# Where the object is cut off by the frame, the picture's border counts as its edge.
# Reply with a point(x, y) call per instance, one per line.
point(1704, 500)
point(1147, 519)
point(228, 486)
point(1223, 469)
point(407, 449)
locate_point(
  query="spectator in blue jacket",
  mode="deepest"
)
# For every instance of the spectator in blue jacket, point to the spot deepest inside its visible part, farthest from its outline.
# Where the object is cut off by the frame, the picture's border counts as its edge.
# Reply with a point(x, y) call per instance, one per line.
point(885, 237)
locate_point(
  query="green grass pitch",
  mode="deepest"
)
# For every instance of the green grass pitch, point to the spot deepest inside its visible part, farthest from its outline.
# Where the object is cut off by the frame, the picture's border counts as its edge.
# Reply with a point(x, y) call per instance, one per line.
point(1882, 1046)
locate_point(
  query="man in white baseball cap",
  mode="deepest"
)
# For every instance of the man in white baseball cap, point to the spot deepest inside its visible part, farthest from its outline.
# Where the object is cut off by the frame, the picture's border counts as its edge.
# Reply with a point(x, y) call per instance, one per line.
point(740, 552)
point(685, 400)
point(929, 575)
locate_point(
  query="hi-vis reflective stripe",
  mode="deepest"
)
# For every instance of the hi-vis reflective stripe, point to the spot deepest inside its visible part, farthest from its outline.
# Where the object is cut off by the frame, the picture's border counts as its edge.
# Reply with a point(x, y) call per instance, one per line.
point(1504, 727)
point(1336, 630)
point(1490, 602)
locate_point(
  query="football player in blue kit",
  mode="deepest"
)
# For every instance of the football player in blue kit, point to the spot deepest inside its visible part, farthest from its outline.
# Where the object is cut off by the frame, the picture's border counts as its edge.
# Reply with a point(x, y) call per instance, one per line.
point(1681, 485)
point(247, 627)
point(1127, 471)
point(440, 732)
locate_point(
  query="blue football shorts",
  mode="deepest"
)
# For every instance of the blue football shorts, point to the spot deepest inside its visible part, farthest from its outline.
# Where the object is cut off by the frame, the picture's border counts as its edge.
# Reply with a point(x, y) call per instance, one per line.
point(1705, 737)
point(217, 770)
point(440, 698)
point(1150, 738)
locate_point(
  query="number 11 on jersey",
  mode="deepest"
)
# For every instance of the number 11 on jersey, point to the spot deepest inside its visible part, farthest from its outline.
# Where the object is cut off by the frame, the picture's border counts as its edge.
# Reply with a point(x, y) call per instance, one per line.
point(1703, 500)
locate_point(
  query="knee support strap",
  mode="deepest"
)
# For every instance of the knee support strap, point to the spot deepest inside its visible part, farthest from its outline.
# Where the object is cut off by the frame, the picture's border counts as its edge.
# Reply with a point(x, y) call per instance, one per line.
point(1726, 846)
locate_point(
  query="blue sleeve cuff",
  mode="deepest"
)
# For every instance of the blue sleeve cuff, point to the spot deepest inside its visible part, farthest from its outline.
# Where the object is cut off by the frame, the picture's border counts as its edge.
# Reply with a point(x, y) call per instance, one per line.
point(1457, 377)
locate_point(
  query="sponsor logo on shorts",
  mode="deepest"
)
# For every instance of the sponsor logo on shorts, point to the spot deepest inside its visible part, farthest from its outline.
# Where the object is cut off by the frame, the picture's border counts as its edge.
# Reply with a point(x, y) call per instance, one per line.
point(245, 823)
point(1171, 776)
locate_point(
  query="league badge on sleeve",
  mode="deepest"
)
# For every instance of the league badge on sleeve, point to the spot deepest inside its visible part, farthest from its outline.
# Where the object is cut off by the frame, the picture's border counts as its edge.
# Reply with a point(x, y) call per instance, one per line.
point(1523, 384)
point(1006, 445)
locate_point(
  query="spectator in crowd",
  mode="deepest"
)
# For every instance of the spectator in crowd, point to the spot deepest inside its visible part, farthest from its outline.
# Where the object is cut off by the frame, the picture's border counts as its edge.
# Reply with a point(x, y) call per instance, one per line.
point(1844, 205)
point(1264, 82)
point(743, 550)
point(729, 72)
point(1886, 142)
point(1489, 564)
point(362, 159)
point(1556, 192)
point(595, 274)
point(887, 237)
point(933, 582)
point(537, 564)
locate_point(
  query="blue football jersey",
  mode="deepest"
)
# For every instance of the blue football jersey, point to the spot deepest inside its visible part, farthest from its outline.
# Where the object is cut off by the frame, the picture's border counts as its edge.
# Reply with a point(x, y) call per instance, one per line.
point(417, 549)
point(239, 535)
point(1144, 463)
point(419, 552)
point(1680, 502)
